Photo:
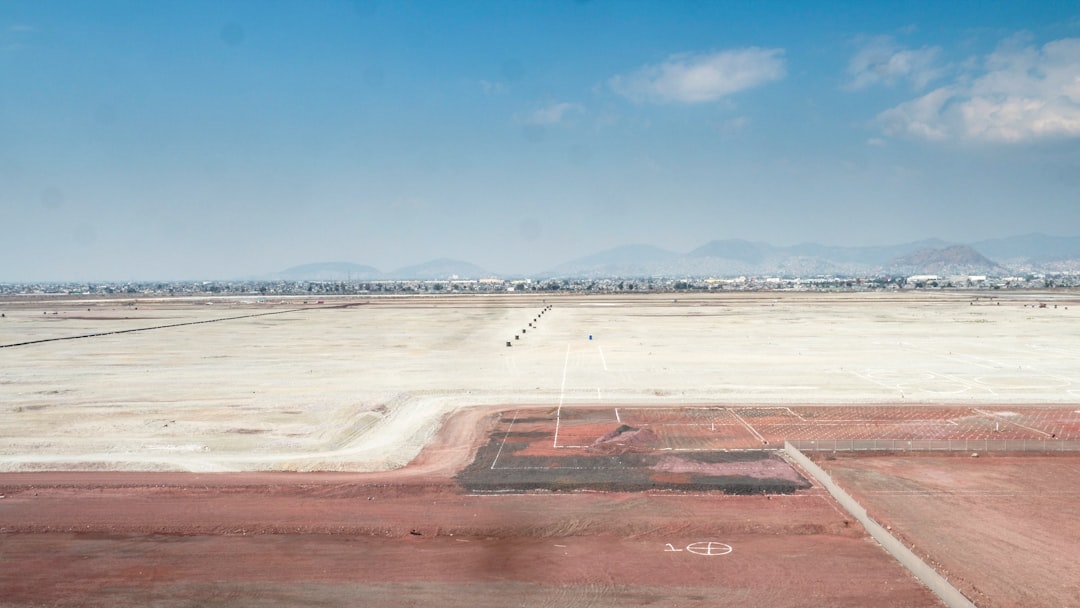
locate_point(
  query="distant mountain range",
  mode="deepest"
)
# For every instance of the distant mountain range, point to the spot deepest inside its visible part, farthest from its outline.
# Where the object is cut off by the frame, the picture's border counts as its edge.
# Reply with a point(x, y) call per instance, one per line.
point(441, 269)
point(736, 257)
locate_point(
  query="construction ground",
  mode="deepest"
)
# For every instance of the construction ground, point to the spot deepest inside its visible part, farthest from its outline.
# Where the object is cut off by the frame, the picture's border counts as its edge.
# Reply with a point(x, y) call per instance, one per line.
point(530, 450)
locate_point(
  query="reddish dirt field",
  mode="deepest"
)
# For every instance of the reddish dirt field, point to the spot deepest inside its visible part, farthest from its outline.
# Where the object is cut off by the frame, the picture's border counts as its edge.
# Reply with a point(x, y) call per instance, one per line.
point(751, 427)
point(417, 537)
point(1002, 528)
point(521, 454)
point(322, 543)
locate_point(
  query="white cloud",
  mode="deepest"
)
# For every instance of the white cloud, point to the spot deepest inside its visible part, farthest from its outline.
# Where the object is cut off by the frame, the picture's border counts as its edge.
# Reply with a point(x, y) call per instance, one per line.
point(733, 125)
point(737, 123)
point(701, 77)
point(492, 88)
point(552, 114)
point(920, 117)
point(1016, 94)
point(13, 38)
point(881, 61)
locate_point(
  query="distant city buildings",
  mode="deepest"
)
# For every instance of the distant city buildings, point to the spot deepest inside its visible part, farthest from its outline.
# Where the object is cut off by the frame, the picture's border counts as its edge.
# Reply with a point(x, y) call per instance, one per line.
point(265, 289)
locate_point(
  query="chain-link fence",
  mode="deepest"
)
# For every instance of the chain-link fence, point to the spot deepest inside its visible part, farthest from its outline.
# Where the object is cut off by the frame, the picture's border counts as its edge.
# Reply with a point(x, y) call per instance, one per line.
point(936, 445)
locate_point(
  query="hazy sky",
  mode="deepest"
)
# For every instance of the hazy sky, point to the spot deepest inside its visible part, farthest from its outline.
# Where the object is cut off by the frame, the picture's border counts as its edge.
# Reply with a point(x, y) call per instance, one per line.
point(188, 139)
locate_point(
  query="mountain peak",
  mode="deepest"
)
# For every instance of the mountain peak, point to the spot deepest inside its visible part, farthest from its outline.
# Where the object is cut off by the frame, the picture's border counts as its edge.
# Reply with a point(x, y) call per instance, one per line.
point(955, 259)
point(329, 271)
point(440, 269)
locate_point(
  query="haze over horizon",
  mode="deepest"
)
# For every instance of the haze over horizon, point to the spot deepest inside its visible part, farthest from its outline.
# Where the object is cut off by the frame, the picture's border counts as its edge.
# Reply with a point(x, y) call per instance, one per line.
point(228, 139)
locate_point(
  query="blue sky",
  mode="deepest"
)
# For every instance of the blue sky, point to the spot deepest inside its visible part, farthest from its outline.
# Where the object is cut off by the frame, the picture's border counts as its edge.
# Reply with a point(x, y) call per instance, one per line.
point(170, 140)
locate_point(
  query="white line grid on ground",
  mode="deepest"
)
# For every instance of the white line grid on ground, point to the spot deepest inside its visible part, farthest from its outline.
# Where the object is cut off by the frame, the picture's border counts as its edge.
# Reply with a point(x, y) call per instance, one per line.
point(936, 445)
point(860, 439)
point(589, 357)
point(726, 416)
point(912, 445)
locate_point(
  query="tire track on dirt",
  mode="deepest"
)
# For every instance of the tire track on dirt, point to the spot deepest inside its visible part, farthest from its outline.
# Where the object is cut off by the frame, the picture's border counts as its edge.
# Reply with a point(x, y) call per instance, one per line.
point(153, 327)
point(138, 329)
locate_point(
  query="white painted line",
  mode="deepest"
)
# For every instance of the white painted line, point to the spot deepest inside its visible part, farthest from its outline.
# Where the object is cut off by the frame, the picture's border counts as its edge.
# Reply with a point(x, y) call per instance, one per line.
point(829, 500)
point(792, 412)
point(503, 444)
point(562, 392)
point(870, 378)
point(602, 358)
point(720, 495)
point(997, 417)
point(617, 419)
point(966, 382)
point(599, 397)
point(709, 548)
point(748, 427)
point(965, 493)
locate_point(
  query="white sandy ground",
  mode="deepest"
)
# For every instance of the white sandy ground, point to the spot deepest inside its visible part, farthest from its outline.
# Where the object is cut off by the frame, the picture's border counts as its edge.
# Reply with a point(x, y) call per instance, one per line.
point(365, 387)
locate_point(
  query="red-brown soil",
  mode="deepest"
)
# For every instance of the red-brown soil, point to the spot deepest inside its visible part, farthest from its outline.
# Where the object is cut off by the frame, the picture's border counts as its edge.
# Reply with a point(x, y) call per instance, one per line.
point(521, 454)
point(329, 540)
point(1002, 528)
point(416, 537)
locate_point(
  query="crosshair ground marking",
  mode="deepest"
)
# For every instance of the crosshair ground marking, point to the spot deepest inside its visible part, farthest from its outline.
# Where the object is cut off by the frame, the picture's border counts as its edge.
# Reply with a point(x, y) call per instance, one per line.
point(708, 548)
